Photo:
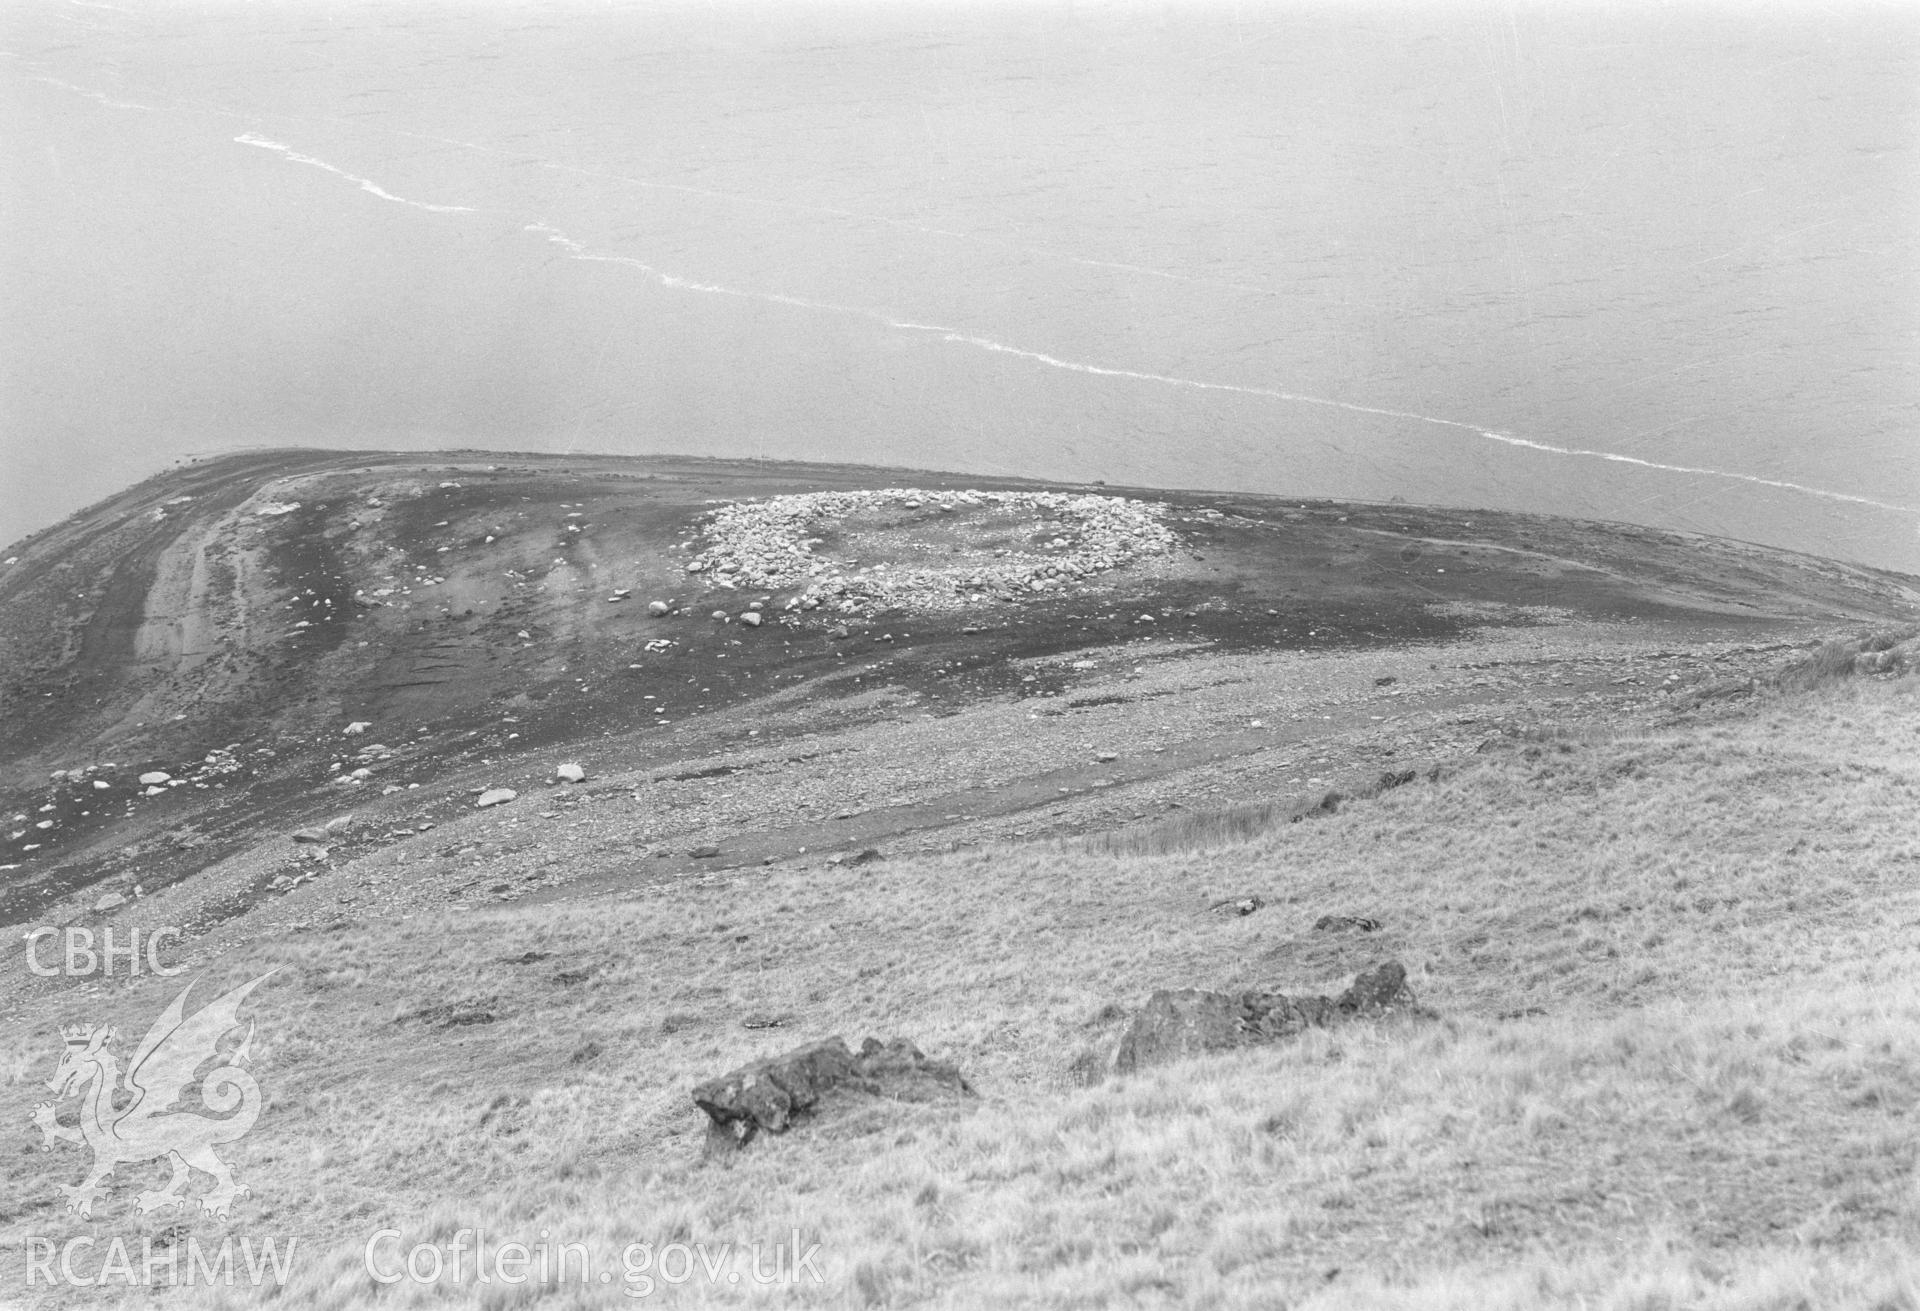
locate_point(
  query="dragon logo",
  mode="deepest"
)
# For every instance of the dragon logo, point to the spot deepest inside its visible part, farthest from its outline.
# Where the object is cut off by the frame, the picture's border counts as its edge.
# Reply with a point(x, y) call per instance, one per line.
point(133, 1120)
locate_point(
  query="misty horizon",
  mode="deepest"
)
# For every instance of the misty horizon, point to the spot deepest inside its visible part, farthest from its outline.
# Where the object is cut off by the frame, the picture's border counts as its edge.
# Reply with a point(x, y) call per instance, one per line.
point(1649, 266)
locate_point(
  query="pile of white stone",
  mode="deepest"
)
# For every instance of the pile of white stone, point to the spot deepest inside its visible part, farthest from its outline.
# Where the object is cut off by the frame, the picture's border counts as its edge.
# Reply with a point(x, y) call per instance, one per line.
point(768, 546)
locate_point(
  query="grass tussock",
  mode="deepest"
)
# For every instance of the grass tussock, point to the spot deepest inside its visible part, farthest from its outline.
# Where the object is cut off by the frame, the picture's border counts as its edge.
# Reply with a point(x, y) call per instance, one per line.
point(1897, 649)
point(1678, 1064)
point(1203, 830)
point(1199, 830)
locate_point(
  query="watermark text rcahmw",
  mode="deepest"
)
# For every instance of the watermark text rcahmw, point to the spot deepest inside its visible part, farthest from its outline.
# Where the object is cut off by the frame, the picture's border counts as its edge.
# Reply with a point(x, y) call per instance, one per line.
point(192, 1263)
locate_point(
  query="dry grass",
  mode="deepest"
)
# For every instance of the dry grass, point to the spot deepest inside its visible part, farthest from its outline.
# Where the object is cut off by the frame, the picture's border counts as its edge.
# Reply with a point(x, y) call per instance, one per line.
point(1712, 1104)
point(1833, 661)
point(1204, 830)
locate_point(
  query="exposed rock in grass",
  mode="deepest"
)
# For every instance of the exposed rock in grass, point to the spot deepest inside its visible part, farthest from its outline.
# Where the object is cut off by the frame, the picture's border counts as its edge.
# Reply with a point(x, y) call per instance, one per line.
point(312, 836)
point(452, 1015)
point(1335, 922)
point(1396, 778)
point(1177, 1023)
point(495, 797)
point(1237, 906)
point(1893, 651)
point(1327, 805)
point(570, 773)
point(1726, 689)
point(704, 852)
point(774, 1093)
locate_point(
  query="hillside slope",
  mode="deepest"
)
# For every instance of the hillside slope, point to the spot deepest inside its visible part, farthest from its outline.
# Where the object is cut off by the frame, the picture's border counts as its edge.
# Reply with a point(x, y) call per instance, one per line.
point(487, 618)
point(1676, 1059)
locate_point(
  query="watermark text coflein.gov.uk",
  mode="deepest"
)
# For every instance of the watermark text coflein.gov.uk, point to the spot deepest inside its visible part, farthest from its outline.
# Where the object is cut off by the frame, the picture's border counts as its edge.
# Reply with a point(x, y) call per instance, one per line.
point(642, 1267)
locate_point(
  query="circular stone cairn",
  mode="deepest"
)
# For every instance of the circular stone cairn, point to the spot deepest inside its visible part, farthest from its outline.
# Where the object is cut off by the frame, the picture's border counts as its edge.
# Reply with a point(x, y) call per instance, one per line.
point(930, 550)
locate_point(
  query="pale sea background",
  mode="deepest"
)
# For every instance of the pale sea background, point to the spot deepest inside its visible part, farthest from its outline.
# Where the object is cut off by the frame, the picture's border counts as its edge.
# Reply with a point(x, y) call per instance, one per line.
point(1333, 250)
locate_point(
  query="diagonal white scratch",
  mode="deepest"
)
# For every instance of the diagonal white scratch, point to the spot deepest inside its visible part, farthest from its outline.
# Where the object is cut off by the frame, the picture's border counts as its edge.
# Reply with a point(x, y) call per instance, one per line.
point(371, 188)
point(577, 250)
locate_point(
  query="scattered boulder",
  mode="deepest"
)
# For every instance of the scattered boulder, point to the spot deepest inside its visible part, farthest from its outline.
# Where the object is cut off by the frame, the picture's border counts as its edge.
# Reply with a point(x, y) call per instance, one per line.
point(1329, 923)
point(657, 607)
point(1106, 757)
point(1177, 1023)
point(1237, 906)
point(357, 727)
point(155, 778)
point(751, 618)
point(109, 901)
point(1385, 680)
point(570, 773)
point(704, 852)
point(312, 836)
point(775, 1093)
point(495, 797)
point(1397, 778)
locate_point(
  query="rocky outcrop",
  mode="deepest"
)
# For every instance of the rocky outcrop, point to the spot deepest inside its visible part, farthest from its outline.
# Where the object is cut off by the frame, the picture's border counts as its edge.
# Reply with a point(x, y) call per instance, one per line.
point(1068, 539)
point(774, 1094)
point(1189, 1021)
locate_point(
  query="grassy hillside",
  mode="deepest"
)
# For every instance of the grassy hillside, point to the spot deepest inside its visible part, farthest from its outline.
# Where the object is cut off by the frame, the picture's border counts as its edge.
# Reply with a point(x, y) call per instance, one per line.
point(1677, 1060)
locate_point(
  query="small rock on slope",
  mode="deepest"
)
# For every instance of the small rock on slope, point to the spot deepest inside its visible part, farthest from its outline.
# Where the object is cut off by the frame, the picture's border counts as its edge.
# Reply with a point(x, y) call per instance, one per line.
point(772, 1094)
point(1177, 1023)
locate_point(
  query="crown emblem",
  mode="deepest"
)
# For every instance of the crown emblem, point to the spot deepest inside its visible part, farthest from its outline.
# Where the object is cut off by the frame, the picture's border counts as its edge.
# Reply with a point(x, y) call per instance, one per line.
point(77, 1035)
